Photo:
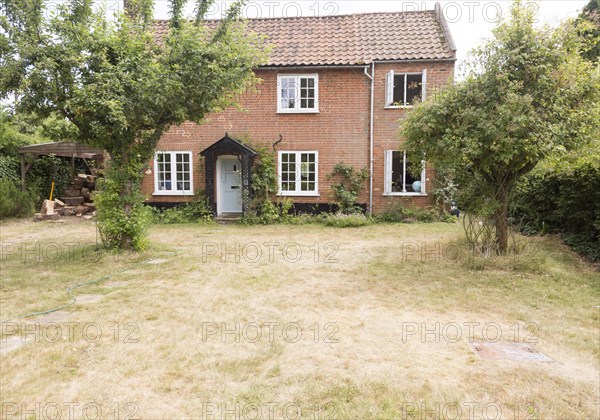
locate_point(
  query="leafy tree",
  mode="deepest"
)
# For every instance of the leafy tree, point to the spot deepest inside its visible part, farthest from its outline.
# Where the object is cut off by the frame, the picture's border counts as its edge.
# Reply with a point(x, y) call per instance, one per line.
point(11, 137)
point(122, 85)
point(588, 24)
point(529, 93)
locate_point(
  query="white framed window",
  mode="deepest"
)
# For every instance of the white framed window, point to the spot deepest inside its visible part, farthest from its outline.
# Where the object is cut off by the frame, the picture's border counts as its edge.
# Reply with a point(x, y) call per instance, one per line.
point(298, 173)
point(403, 89)
point(297, 93)
point(173, 173)
point(400, 175)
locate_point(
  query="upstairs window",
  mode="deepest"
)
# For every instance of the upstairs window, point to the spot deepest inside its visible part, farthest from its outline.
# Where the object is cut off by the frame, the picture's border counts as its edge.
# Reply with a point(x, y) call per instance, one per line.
point(173, 173)
point(404, 89)
point(297, 93)
point(403, 177)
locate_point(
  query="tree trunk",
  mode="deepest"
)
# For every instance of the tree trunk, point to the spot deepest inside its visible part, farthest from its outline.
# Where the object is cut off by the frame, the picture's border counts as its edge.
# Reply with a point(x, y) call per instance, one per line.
point(126, 238)
point(126, 191)
point(501, 219)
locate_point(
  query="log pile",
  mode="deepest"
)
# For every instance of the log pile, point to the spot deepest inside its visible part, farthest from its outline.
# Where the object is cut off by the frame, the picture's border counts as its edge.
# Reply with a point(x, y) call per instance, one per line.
point(76, 201)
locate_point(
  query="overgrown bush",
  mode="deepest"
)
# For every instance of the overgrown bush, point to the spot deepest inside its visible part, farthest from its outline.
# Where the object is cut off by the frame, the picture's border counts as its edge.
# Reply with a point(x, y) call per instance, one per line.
point(303, 219)
point(347, 187)
point(43, 171)
point(13, 201)
point(341, 220)
point(264, 175)
point(114, 224)
point(194, 212)
point(269, 213)
point(398, 213)
point(9, 168)
point(444, 190)
point(563, 195)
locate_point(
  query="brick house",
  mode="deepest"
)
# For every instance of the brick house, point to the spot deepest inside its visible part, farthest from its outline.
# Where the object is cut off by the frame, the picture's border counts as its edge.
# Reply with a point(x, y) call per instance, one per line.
point(333, 91)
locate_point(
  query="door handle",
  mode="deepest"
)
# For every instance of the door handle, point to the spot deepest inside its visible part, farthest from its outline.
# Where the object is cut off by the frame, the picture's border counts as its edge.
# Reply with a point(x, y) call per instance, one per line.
point(235, 187)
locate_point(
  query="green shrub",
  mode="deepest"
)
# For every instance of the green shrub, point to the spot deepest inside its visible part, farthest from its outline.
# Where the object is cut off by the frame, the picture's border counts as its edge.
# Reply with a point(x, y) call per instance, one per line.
point(444, 190)
point(117, 228)
point(344, 220)
point(397, 213)
point(563, 195)
point(43, 171)
point(264, 174)
point(303, 219)
point(9, 168)
point(269, 213)
point(347, 186)
point(194, 212)
point(13, 201)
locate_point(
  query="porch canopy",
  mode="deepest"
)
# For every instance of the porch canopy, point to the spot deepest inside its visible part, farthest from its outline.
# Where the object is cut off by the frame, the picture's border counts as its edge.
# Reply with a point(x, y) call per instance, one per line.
point(228, 146)
point(62, 149)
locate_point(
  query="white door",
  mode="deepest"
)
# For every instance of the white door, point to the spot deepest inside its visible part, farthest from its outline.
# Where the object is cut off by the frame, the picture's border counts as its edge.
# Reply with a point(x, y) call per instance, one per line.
point(230, 179)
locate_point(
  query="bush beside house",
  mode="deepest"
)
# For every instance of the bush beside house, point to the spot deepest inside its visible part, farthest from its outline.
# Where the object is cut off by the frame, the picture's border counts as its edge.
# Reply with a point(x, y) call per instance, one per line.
point(563, 195)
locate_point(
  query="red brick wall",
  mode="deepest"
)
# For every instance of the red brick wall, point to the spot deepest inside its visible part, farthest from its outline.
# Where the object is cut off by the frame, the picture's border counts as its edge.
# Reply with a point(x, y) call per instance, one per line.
point(387, 123)
point(339, 132)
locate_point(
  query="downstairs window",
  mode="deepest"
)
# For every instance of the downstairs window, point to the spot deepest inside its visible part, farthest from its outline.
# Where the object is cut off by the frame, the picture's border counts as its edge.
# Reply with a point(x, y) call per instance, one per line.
point(403, 177)
point(173, 173)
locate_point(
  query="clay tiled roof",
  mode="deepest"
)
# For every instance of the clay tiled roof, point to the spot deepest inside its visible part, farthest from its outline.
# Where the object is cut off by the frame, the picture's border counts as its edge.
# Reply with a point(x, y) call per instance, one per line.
point(352, 39)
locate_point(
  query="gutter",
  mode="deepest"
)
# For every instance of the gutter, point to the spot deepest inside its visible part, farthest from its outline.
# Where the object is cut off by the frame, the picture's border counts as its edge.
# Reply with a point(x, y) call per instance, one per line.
point(356, 66)
point(371, 125)
point(420, 60)
point(313, 66)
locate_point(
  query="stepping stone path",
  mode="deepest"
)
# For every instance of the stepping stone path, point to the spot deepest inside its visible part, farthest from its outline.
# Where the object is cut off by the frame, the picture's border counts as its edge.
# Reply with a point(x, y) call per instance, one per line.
point(88, 298)
point(114, 284)
point(509, 351)
point(157, 261)
point(57, 316)
point(12, 343)
point(8, 344)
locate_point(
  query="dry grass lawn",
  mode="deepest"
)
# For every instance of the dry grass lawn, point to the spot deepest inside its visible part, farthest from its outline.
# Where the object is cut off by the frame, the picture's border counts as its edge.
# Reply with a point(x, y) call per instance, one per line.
point(312, 321)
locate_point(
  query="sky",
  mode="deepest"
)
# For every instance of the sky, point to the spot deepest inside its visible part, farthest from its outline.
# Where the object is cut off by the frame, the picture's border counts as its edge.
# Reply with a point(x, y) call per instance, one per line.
point(470, 21)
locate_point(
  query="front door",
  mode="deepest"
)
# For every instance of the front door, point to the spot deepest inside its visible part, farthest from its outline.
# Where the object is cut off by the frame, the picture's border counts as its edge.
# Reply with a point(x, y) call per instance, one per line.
point(230, 183)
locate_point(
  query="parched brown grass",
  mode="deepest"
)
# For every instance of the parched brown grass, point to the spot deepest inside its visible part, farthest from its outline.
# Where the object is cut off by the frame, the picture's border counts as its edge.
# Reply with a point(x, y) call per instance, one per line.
point(281, 321)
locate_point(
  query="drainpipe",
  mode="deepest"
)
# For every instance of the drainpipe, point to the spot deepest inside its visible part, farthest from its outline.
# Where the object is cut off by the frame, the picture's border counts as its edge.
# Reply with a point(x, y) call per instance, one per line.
point(371, 125)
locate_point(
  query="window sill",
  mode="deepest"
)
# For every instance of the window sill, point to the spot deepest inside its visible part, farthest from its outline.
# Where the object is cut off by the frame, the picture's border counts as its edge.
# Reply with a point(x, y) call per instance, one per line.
point(298, 111)
point(399, 106)
point(298, 194)
point(407, 194)
point(173, 193)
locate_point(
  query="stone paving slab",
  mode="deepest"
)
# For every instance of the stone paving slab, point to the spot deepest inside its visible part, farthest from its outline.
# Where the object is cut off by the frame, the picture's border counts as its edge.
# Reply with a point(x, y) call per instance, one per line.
point(114, 284)
point(157, 261)
point(52, 317)
point(8, 344)
point(88, 298)
point(508, 351)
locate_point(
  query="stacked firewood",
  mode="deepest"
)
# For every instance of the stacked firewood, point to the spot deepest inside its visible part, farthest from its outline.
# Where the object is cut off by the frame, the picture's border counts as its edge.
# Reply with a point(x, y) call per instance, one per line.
point(77, 200)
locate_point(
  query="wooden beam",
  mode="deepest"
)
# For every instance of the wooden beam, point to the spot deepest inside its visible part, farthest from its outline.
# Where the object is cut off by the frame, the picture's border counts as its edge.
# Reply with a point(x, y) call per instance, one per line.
point(24, 169)
point(23, 172)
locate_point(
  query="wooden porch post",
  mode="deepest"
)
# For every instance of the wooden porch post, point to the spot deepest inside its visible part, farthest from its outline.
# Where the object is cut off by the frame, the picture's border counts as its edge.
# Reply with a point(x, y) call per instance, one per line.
point(23, 172)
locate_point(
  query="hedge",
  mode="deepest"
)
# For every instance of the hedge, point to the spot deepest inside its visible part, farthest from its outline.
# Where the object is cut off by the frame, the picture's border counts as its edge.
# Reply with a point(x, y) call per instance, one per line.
point(563, 196)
